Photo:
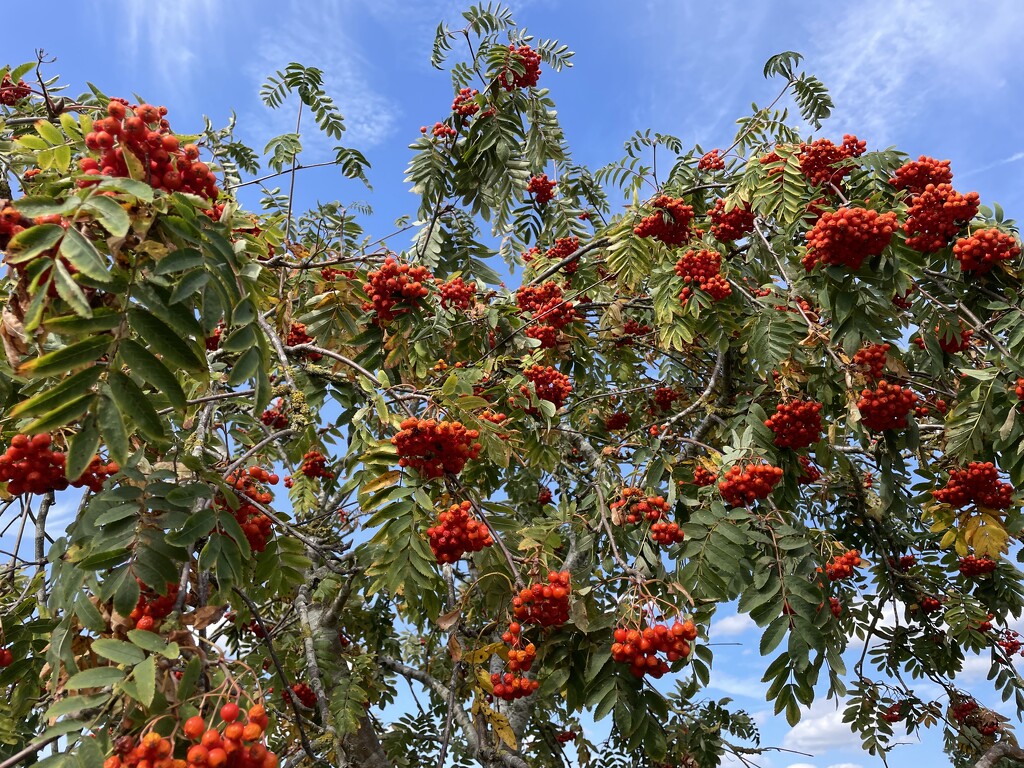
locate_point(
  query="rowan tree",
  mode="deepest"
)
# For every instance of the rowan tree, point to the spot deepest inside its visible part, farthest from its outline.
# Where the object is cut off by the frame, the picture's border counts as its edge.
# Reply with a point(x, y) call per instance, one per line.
point(312, 468)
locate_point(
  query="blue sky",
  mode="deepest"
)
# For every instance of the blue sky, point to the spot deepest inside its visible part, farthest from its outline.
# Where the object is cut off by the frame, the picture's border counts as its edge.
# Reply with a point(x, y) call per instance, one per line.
point(931, 77)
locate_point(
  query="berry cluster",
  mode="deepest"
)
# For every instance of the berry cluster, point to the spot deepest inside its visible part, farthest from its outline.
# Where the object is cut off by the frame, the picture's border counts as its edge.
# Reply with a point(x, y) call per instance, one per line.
point(1010, 642)
point(297, 335)
point(703, 477)
point(144, 138)
point(509, 686)
point(11, 93)
point(936, 215)
point(809, 473)
point(967, 712)
point(255, 525)
point(984, 249)
point(711, 161)
point(904, 563)
point(893, 713)
point(666, 533)
point(633, 507)
point(733, 224)
point(835, 606)
point(847, 237)
point(664, 398)
point(520, 656)
point(930, 604)
point(631, 330)
point(915, 175)
point(464, 103)
point(872, 360)
point(304, 694)
point(395, 289)
point(275, 417)
point(562, 249)
point(529, 60)
point(640, 648)
point(963, 708)
point(550, 312)
point(457, 294)
point(818, 159)
point(330, 274)
point(152, 608)
point(548, 384)
point(670, 223)
point(544, 604)
point(456, 533)
point(950, 342)
point(314, 465)
point(796, 424)
point(886, 407)
point(972, 566)
point(978, 484)
point(702, 268)
point(613, 422)
point(543, 191)
point(931, 404)
point(434, 448)
point(213, 340)
point(440, 130)
point(904, 301)
point(744, 485)
point(841, 566)
point(30, 465)
point(236, 744)
point(544, 496)
point(11, 223)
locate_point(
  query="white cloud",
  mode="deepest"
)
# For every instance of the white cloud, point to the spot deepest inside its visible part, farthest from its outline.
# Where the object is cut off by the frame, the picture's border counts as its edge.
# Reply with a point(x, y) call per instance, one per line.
point(845, 765)
point(149, 27)
point(1015, 157)
point(801, 765)
point(820, 729)
point(750, 687)
point(733, 625)
point(875, 56)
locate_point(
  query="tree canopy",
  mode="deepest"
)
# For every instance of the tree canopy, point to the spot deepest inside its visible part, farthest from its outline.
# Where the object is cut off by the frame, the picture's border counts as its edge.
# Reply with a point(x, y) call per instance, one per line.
point(340, 502)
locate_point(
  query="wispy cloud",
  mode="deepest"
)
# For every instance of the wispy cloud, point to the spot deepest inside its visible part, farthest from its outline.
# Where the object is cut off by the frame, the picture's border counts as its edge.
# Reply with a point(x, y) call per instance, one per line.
point(1015, 157)
point(150, 26)
point(875, 56)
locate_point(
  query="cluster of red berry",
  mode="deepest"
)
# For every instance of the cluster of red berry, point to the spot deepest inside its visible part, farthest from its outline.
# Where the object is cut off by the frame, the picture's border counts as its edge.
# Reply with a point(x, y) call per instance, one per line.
point(905, 301)
point(330, 274)
point(395, 289)
point(457, 294)
point(30, 465)
point(967, 712)
point(544, 604)
point(702, 269)
point(711, 161)
point(663, 399)
point(441, 131)
point(703, 477)
point(144, 138)
point(213, 340)
point(548, 384)
point(434, 448)
point(978, 484)
point(950, 341)
point(465, 104)
point(915, 175)
point(305, 695)
point(314, 465)
point(613, 422)
point(456, 533)
point(275, 417)
point(936, 215)
point(893, 713)
point(235, 745)
point(255, 525)
point(152, 608)
point(930, 604)
point(666, 533)
point(818, 159)
point(544, 496)
point(563, 248)
point(903, 564)
point(11, 223)
point(543, 191)
point(670, 222)
point(796, 424)
point(513, 684)
point(872, 359)
point(11, 93)
point(640, 648)
point(847, 237)
point(931, 404)
point(841, 566)
point(632, 330)
point(886, 407)
point(550, 312)
point(297, 335)
point(984, 249)
point(1010, 642)
point(972, 566)
point(529, 60)
point(733, 224)
point(633, 506)
point(809, 473)
point(743, 485)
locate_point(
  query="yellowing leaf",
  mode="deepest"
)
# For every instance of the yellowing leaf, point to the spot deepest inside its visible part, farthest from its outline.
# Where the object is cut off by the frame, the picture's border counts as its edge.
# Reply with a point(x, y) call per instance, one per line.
point(480, 655)
point(382, 481)
point(990, 541)
point(484, 680)
point(501, 727)
point(948, 539)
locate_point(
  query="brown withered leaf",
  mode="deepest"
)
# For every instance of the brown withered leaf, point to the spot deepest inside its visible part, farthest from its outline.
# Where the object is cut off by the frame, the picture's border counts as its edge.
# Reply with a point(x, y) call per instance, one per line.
point(205, 616)
point(14, 337)
point(448, 620)
point(454, 648)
